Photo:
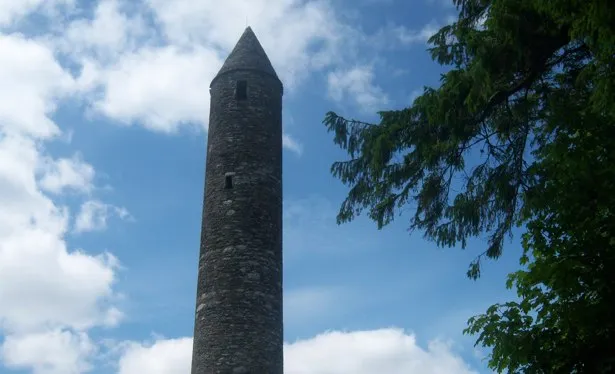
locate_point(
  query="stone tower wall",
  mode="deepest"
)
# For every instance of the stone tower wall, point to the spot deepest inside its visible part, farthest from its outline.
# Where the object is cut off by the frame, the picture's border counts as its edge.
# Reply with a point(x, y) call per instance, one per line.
point(238, 327)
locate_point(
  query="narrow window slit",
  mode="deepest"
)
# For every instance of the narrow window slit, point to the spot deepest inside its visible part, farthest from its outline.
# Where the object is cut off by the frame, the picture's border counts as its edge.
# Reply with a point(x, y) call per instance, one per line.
point(228, 180)
point(241, 90)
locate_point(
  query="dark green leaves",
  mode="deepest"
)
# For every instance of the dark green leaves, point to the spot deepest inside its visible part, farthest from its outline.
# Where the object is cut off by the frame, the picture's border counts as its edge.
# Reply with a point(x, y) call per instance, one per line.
point(462, 153)
point(563, 322)
point(519, 133)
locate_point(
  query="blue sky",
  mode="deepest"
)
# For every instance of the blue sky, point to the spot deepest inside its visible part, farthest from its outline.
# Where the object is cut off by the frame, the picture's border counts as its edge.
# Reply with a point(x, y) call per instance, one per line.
point(103, 117)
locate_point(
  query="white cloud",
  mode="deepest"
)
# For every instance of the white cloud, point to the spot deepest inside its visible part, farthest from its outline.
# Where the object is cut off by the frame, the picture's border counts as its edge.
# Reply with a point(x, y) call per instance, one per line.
point(51, 352)
point(289, 30)
point(480, 22)
point(32, 82)
point(391, 351)
point(160, 88)
point(50, 295)
point(442, 3)
point(172, 356)
point(67, 174)
point(356, 84)
point(12, 11)
point(155, 74)
point(291, 144)
point(56, 287)
point(94, 214)
point(407, 36)
point(106, 36)
point(43, 285)
point(131, 75)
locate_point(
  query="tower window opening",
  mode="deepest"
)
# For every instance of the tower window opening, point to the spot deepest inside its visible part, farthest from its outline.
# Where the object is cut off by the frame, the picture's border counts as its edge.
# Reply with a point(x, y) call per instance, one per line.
point(228, 180)
point(241, 91)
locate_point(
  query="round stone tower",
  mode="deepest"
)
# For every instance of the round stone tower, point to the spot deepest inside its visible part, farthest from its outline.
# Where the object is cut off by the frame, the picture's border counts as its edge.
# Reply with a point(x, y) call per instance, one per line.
point(238, 325)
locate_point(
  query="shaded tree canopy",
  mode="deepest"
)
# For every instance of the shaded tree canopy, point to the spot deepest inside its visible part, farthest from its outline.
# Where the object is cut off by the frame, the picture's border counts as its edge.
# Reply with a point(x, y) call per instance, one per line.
point(564, 321)
point(520, 132)
point(522, 73)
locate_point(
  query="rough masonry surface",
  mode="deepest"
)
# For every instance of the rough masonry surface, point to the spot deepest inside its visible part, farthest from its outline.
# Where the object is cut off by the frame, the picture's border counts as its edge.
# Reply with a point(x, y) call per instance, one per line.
point(238, 324)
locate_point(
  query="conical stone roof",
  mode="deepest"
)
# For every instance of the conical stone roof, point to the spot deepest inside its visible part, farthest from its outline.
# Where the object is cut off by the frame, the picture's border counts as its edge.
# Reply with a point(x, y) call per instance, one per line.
point(248, 54)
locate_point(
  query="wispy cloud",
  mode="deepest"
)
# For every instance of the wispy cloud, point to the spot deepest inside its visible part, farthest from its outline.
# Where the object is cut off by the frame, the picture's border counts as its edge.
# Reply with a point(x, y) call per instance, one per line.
point(291, 144)
point(356, 84)
point(407, 36)
point(59, 175)
point(93, 216)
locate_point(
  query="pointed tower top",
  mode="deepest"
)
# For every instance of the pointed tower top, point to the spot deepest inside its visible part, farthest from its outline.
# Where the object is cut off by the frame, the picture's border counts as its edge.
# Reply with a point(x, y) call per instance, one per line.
point(248, 54)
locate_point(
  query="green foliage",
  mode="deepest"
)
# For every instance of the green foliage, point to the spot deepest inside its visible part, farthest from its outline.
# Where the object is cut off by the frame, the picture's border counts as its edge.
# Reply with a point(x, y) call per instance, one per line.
point(507, 90)
point(563, 322)
point(519, 133)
